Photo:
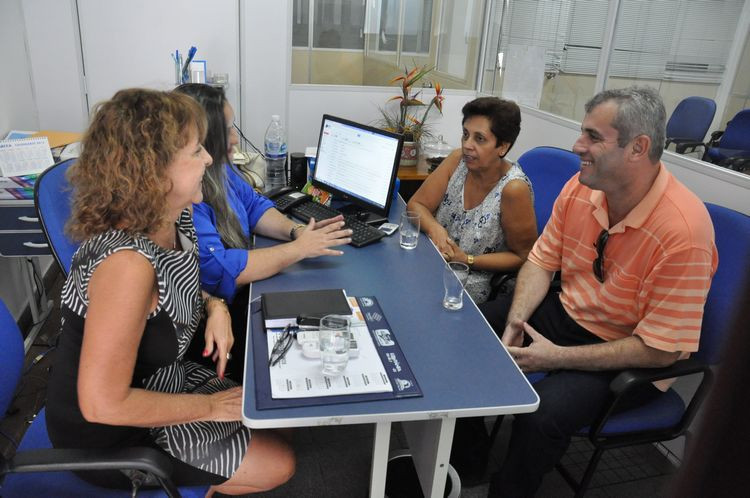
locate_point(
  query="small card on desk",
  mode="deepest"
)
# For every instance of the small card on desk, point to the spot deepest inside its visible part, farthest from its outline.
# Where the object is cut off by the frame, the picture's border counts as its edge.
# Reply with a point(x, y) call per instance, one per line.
point(282, 308)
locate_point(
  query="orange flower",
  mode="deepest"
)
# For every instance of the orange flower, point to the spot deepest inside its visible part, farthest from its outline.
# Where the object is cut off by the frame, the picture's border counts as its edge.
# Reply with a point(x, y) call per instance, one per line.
point(403, 121)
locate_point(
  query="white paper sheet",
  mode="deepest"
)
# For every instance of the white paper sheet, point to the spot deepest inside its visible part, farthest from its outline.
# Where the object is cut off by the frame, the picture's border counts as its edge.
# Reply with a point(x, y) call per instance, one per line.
point(297, 376)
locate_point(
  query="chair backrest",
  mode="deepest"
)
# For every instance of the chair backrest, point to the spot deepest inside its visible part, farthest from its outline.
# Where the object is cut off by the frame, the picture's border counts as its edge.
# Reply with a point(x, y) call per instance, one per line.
point(737, 133)
point(724, 301)
point(11, 357)
point(691, 118)
point(548, 168)
point(52, 201)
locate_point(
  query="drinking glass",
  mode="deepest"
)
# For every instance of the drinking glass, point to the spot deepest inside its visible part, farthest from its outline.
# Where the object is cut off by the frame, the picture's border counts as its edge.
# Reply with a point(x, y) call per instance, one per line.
point(455, 275)
point(409, 230)
point(334, 343)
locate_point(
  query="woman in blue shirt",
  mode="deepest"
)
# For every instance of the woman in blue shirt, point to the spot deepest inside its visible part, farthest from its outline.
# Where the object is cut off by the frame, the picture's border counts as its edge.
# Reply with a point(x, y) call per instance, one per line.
point(231, 211)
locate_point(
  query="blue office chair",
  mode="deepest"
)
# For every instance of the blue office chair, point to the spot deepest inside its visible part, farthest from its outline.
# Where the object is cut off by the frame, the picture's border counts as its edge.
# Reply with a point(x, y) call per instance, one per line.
point(38, 470)
point(731, 147)
point(548, 168)
point(689, 123)
point(52, 201)
point(667, 417)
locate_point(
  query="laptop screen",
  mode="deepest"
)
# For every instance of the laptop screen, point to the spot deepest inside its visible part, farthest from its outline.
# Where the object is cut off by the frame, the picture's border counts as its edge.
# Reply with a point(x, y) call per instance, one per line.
point(358, 163)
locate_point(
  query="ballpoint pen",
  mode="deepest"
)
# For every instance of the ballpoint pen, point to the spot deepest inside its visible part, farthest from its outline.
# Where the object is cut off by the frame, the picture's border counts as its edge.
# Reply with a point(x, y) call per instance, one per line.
point(185, 72)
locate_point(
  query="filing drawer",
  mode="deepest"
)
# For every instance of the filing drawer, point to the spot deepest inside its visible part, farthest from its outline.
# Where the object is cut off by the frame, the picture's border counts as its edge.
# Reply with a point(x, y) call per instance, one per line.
point(27, 243)
point(20, 230)
point(19, 217)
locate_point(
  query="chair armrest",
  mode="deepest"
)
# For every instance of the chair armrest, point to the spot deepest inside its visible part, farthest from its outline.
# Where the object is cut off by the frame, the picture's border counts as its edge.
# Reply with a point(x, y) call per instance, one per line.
point(143, 459)
point(682, 146)
point(715, 136)
point(499, 282)
point(736, 163)
point(712, 142)
point(627, 380)
point(632, 378)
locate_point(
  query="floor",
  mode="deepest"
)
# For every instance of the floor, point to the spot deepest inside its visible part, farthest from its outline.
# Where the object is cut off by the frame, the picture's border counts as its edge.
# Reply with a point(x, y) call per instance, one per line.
point(335, 461)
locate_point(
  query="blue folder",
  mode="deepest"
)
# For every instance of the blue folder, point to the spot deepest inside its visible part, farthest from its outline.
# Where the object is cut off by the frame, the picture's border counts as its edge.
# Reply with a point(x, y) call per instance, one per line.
point(402, 378)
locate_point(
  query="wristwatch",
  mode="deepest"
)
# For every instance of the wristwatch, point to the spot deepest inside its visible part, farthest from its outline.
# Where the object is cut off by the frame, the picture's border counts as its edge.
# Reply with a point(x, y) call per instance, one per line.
point(470, 259)
point(294, 229)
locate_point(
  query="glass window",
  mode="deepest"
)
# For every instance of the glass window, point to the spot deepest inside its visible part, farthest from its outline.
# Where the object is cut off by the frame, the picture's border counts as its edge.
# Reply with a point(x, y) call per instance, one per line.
point(367, 42)
point(300, 23)
point(459, 38)
point(338, 24)
point(739, 96)
point(545, 53)
point(679, 47)
point(417, 27)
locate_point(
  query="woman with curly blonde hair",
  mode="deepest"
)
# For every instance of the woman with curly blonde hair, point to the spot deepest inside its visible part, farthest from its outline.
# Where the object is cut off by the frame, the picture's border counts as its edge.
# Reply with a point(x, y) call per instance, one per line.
point(132, 303)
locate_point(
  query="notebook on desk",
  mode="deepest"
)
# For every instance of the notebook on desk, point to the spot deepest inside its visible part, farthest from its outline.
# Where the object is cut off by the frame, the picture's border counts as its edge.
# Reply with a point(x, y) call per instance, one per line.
point(282, 308)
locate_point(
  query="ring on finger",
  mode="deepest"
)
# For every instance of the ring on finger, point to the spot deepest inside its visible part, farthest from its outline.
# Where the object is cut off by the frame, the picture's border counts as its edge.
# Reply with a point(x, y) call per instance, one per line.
point(229, 356)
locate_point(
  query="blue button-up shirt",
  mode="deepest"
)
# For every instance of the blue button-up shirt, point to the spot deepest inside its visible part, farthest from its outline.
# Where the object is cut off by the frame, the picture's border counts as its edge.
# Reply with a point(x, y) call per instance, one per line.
point(221, 265)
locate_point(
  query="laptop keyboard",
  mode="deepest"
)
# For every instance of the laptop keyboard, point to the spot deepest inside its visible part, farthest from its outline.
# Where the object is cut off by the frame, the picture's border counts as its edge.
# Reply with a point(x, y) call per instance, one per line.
point(362, 233)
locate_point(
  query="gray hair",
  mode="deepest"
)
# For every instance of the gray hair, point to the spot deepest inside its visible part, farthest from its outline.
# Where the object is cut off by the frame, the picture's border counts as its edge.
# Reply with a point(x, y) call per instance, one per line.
point(640, 111)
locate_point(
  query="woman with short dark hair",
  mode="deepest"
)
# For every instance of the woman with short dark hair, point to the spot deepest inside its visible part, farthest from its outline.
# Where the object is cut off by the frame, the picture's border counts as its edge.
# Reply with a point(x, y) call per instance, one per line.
point(478, 207)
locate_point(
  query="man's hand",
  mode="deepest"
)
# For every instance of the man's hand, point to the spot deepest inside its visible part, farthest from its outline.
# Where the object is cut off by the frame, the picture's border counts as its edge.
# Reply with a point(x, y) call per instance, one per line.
point(513, 333)
point(540, 356)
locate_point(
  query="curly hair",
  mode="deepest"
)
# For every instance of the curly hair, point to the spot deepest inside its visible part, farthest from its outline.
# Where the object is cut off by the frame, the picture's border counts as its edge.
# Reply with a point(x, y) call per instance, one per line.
point(120, 180)
point(504, 117)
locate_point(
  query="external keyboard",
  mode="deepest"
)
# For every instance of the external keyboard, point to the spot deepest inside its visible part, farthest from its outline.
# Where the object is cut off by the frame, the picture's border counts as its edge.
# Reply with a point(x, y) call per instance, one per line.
point(362, 233)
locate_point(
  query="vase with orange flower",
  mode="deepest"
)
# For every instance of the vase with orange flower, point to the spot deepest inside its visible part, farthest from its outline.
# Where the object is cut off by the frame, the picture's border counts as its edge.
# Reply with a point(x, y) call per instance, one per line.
point(410, 115)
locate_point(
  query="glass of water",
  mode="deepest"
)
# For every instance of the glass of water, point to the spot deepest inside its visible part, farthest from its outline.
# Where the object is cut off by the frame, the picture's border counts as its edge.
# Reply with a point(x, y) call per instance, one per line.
point(409, 230)
point(335, 338)
point(455, 276)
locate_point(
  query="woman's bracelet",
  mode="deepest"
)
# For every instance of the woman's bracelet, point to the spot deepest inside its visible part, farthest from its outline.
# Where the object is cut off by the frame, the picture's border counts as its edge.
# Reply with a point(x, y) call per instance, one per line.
point(214, 298)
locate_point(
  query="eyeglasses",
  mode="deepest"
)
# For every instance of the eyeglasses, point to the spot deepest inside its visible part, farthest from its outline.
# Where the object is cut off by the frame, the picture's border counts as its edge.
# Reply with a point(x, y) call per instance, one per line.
point(282, 345)
point(601, 241)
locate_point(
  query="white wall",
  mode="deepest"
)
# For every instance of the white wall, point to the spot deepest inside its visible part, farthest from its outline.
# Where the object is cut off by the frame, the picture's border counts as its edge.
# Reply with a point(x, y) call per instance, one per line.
point(55, 55)
point(266, 62)
point(17, 111)
point(128, 44)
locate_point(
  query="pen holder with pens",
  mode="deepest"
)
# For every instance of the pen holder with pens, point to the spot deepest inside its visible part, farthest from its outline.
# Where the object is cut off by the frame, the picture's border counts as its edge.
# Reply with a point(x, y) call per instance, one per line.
point(182, 70)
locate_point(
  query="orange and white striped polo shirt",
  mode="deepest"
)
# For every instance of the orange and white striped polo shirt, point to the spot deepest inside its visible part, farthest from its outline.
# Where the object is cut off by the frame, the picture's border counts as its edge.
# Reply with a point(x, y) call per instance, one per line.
point(658, 263)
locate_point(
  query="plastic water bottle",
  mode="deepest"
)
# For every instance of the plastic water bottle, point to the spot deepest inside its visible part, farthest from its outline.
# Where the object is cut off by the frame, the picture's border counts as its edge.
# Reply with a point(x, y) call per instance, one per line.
point(275, 150)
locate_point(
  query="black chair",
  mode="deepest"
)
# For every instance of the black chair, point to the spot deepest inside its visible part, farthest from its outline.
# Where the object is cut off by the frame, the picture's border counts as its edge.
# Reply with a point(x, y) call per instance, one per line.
point(667, 417)
point(689, 123)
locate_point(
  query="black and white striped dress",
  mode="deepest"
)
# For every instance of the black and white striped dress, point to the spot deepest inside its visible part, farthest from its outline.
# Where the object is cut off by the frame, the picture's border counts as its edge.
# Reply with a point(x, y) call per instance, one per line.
point(215, 447)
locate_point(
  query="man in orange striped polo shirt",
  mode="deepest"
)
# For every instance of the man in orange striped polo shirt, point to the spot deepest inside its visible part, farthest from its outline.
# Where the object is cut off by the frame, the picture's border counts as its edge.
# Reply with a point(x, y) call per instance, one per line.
point(636, 253)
